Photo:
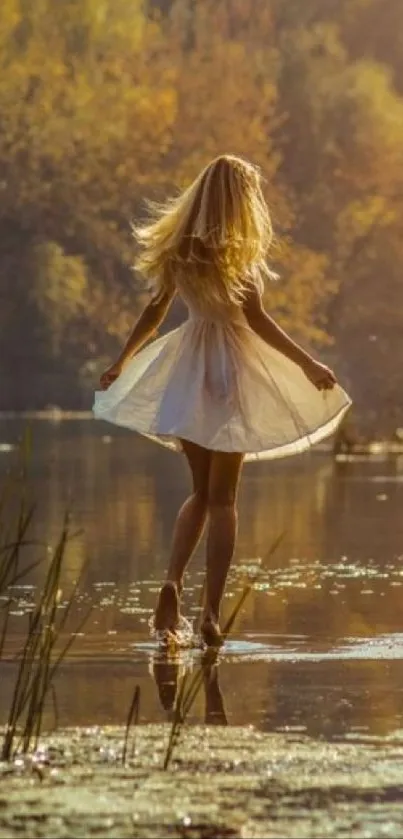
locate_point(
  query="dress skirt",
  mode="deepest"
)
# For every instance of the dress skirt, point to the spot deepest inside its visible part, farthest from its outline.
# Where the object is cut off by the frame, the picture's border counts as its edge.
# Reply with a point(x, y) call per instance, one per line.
point(221, 386)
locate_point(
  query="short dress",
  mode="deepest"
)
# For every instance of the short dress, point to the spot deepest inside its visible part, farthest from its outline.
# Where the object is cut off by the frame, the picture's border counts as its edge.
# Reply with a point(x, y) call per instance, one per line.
point(215, 382)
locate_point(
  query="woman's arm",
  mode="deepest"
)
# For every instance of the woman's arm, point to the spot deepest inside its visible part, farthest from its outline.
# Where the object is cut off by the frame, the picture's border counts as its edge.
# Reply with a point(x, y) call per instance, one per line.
point(146, 326)
point(321, 376)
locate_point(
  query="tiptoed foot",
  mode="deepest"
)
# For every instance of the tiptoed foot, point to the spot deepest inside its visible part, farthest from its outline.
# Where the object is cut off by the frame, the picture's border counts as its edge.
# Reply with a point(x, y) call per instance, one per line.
point(211, 632)
point(167, 612)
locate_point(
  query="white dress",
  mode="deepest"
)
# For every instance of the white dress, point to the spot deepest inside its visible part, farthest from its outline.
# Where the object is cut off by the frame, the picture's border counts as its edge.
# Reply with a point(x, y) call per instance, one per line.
point(214, 382)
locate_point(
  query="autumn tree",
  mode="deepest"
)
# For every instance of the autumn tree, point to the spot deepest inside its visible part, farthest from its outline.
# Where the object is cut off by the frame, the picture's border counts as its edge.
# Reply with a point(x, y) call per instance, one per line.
point(342, 158)
point(104, 103)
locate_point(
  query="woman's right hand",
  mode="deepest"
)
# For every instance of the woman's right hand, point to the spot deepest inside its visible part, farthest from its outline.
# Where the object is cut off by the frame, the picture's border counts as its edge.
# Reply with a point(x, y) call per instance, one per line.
point(319, 374)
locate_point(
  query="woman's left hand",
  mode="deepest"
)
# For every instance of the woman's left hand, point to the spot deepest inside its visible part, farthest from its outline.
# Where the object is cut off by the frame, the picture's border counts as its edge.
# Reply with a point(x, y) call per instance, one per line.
point(110, 375)
point(321, 376)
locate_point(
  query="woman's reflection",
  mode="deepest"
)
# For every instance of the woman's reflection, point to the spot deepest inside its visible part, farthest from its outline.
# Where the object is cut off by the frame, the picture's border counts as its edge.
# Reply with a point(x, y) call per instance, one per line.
point(168, 669)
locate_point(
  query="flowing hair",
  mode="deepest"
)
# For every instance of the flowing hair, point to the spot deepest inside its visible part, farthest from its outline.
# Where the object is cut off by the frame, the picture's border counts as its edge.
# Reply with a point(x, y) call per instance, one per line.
point(210, 242)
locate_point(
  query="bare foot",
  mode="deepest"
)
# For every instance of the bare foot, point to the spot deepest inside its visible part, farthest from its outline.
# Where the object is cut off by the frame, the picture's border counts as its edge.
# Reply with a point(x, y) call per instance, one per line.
point(167, 612)
point(211, 632)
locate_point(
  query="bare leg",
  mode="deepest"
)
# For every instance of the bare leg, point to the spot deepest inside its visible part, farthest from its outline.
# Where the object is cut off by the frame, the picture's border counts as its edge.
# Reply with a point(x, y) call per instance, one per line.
point(225, 470)
point(188, 529)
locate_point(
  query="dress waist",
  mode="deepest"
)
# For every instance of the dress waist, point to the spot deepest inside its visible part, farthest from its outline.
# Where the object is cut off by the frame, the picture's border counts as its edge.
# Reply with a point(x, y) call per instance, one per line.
point(220, 323)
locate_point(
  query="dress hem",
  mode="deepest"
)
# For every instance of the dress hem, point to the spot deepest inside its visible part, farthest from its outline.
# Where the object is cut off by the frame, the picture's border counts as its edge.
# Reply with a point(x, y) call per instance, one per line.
point(298, 446)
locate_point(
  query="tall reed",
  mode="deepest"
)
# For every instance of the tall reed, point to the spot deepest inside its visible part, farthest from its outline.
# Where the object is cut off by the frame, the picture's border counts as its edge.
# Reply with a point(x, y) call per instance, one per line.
point(16, 517)
point(41, 653)
point(132, 720)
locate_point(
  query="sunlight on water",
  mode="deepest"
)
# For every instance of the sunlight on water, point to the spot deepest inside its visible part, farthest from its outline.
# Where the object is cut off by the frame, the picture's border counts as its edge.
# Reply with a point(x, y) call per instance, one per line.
point(321, 627)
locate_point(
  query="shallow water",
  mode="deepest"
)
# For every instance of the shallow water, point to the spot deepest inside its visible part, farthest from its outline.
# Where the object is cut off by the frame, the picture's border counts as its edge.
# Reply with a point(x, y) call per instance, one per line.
point(318, 646)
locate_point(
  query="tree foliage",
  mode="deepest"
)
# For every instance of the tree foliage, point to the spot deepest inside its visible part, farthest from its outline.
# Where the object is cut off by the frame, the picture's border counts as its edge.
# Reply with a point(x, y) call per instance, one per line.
point(104, 103)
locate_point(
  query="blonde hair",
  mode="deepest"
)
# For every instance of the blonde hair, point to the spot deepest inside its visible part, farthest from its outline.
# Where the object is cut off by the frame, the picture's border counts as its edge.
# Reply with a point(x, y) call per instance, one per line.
point(210, 241)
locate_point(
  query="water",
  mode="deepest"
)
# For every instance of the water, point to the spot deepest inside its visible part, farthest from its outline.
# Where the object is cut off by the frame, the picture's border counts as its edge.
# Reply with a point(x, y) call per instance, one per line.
point(318, 646)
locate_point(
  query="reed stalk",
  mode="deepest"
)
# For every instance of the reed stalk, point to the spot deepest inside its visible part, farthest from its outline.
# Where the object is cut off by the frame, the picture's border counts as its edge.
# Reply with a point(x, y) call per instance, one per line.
point(132, 720)
point(40, 656)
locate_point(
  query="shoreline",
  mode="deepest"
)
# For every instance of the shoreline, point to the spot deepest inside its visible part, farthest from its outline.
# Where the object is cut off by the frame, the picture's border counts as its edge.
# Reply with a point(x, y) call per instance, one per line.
point(223, 782)
point(376, 448)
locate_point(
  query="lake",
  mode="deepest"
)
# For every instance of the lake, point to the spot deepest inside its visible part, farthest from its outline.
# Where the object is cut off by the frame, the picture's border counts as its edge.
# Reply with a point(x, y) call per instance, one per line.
point(318, 646)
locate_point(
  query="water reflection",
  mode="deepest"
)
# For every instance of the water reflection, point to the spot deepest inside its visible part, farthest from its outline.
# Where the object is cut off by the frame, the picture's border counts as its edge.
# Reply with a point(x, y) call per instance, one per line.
point(169, 671)
point(318, 643)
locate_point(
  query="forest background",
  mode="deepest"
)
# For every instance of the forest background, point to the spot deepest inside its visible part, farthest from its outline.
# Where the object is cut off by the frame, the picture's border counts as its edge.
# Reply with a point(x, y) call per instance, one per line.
point(104, 103)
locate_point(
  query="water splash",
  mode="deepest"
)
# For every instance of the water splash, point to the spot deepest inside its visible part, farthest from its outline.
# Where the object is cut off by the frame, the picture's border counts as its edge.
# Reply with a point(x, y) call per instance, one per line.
point(182, 637)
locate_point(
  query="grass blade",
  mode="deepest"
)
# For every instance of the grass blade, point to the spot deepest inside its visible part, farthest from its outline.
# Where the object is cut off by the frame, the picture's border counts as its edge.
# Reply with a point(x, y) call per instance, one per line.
point(134, 711)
